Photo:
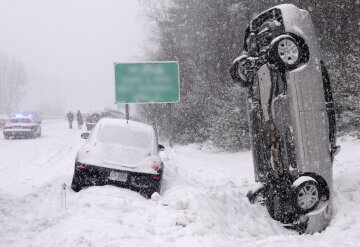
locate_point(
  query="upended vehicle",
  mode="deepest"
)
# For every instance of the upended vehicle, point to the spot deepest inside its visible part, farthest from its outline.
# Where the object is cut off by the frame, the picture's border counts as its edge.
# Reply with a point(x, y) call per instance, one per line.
point(291, 118)
point(120, 153)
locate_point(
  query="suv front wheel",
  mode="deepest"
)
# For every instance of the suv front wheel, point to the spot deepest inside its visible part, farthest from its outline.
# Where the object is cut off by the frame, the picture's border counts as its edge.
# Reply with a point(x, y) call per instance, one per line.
point(287, 52)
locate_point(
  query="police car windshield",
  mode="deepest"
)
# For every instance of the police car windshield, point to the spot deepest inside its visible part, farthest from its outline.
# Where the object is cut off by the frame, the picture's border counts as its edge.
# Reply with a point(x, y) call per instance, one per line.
point(20, 120)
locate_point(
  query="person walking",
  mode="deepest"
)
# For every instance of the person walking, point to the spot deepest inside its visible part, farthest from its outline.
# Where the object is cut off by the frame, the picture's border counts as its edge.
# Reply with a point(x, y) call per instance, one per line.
point(70, 117)
point(79, 119)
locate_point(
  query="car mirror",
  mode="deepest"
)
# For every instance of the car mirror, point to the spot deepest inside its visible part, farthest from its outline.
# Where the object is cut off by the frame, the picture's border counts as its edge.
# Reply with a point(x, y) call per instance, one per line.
point(161, 147)
point(240, 71)
point(85, 135)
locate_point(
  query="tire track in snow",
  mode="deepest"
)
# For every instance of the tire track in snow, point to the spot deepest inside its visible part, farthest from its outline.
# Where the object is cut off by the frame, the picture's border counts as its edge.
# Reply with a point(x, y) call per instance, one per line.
point(48, 162)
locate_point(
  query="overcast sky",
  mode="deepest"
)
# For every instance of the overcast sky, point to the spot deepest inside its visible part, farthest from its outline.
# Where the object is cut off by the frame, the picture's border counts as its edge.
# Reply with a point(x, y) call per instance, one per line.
point(68, 47)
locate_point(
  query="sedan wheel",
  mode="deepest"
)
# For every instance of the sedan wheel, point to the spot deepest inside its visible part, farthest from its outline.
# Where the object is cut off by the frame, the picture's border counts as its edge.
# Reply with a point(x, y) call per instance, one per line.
point(76, 184)
point(80, 181)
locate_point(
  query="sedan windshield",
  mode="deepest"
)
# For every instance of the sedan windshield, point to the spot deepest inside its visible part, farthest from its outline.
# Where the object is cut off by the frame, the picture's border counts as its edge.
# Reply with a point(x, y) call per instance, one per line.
point(125, 136)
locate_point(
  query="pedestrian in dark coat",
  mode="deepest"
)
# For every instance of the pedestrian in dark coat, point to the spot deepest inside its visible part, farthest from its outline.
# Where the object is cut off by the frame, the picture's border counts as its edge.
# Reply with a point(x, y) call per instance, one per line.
point(79, 119)
point(70, 117)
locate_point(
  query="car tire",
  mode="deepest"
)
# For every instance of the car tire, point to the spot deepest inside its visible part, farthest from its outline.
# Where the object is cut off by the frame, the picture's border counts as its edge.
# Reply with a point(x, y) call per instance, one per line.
point(287, 52)
point(76, 184)
point(280, 203)
point(307, 196)
point(6, 137)
point(75, 187)
point(156, 187)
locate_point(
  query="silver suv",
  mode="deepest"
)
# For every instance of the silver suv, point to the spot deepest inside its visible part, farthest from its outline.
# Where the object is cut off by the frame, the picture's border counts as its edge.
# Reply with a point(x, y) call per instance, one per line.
point(291, 117)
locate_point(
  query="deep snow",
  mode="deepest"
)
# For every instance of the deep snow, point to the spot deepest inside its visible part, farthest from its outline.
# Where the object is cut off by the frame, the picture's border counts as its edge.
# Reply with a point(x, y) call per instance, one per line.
point(202, 203)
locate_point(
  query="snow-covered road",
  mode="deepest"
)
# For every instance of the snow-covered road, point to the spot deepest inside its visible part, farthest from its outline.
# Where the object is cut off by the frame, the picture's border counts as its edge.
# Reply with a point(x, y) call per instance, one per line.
point(202, 203)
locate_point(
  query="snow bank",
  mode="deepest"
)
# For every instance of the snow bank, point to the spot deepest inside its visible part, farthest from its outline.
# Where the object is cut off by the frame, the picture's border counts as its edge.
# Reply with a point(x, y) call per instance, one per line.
point(203, 201)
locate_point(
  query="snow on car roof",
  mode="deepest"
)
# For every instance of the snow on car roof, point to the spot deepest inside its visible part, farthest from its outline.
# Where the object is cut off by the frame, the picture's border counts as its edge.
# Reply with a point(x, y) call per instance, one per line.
point(125, 123)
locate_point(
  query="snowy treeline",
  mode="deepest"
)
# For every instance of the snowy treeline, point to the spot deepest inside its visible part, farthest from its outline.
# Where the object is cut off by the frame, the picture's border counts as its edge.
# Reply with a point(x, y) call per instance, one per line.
point(12, 81)
point(205, 37)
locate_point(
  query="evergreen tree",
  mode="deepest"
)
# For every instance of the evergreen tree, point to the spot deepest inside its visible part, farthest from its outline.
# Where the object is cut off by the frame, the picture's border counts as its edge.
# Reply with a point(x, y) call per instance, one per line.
point(205, 37)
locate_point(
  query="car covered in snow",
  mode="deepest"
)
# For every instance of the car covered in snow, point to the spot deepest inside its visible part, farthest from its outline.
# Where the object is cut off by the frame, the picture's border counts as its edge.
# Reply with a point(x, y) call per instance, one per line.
point(291, 117)
point(121, 153)
point(22, 126)
point(91, 120)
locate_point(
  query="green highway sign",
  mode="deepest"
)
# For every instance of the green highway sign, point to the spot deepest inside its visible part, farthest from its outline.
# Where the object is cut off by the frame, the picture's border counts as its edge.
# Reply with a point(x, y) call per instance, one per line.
point(147, 82)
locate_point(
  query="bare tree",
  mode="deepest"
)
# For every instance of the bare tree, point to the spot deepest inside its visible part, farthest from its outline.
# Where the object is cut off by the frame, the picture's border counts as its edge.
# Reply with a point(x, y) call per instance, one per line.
point(12, 81)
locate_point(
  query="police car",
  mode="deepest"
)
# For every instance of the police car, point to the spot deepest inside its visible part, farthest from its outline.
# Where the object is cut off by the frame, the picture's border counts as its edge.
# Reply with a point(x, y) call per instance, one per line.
point(21, 125)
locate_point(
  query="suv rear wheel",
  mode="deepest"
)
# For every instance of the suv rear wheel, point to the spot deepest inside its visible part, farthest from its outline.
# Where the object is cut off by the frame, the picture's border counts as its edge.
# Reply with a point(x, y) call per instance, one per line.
point(307, 195)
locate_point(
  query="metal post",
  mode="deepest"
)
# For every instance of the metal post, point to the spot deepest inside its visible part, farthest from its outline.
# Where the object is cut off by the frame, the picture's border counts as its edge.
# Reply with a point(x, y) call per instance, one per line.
point(127, 110)
point(63, 196)
point(156, 131)
point(170, 127)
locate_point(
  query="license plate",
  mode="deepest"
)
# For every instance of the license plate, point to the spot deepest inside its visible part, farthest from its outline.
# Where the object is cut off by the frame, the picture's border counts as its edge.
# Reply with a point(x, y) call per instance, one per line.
point(118, 176)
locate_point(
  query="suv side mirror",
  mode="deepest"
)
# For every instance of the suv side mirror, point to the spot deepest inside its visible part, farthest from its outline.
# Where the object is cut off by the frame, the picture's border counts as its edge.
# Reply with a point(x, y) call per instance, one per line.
point(161, 147)
point(85, 135)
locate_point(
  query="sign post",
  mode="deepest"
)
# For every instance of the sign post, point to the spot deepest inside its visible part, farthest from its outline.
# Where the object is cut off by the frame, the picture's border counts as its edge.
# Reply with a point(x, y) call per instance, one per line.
point(127, 112)
point(147, 82)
